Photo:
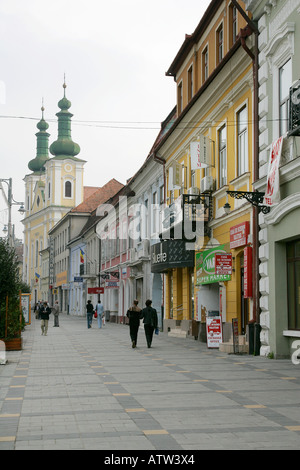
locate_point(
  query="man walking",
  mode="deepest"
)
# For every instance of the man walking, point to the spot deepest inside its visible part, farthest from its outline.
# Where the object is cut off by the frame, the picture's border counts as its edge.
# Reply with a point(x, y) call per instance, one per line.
point(55, 311)
point(89, 313)
point(45, 312)
point(150, 321)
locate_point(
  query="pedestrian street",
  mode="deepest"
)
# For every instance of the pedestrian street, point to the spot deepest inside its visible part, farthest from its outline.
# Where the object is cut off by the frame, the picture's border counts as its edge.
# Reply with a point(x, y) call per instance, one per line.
point(88, 389)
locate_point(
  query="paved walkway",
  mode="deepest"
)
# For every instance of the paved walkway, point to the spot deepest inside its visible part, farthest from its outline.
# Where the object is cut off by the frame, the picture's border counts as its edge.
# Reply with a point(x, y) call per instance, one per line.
point(88, 389)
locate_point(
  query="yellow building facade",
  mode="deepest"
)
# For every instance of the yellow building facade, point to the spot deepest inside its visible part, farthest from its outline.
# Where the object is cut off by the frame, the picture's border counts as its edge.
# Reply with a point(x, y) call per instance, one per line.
point(207, 152)
point(54, 186)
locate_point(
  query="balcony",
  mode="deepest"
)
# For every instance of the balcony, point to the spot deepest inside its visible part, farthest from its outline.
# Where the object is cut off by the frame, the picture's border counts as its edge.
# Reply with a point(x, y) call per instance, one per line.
point(88, 270)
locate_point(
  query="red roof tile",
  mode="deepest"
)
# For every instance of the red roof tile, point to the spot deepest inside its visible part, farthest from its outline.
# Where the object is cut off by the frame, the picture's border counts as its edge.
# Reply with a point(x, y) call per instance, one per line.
point(99, 196)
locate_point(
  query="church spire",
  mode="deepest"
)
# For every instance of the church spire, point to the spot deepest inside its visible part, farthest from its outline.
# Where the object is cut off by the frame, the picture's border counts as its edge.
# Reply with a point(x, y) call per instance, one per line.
point(42, 143)
point(64, 147)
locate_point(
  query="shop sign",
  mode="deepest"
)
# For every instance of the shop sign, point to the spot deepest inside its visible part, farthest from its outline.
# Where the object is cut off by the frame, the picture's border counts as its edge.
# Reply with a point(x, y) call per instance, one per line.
point(170, 254)
point(205, 266)
point(213, 331)
point(272, 194)
point(61, 278)
point(112, 285)
point(223, 263)
point(95, 290)
point(125, 273)
point(248, 291)
point(239, 234)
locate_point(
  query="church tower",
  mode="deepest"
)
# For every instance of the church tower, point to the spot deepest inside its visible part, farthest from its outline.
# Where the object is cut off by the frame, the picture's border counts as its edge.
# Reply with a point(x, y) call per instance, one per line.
point(54, 186)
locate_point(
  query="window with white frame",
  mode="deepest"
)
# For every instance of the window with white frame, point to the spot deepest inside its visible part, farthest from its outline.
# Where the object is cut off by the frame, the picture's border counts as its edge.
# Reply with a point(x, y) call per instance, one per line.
point(285, 82)
point(222, 139)
point(242, 140)
point(220, 43)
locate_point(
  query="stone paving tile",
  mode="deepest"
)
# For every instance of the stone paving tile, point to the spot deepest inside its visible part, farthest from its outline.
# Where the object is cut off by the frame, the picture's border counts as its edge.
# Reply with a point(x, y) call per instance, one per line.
point(88, 389)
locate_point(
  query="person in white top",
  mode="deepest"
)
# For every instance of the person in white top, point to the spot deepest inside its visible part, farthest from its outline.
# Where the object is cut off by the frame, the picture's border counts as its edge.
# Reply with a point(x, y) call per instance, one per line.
point(100, 311)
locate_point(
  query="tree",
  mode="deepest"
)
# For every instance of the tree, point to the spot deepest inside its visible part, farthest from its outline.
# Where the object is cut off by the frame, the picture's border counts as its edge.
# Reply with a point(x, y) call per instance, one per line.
point(10, 286)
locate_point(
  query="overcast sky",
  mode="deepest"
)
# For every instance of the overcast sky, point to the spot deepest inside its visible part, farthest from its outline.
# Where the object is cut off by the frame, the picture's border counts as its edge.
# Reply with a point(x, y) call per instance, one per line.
point(114, 55)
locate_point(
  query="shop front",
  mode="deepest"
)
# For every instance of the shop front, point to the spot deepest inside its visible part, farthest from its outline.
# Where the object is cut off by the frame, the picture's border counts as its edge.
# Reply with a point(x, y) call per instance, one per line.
point(171, 258)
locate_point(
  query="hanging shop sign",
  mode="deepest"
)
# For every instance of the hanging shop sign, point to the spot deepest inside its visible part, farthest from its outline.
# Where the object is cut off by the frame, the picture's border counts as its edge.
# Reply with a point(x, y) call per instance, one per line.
point(200, 153)
point(239, 235)
point(248, 290)
point(272, 194)
point(205, 266)
point(223, 263)
point(95, 290)
point(214, 331)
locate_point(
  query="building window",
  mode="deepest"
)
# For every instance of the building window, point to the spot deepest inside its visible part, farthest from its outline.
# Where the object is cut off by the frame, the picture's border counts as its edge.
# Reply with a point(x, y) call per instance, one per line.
point(285, 82)
point(220, 43)
point(190, 83)
point(205, 64)
point(232, 24)
point(179, 98)
point(68, 189)
point(222, 157)
point(293, 284)
point(242, 141)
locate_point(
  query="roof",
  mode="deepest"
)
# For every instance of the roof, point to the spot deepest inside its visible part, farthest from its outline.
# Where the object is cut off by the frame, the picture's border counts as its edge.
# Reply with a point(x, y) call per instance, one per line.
point(99, 196)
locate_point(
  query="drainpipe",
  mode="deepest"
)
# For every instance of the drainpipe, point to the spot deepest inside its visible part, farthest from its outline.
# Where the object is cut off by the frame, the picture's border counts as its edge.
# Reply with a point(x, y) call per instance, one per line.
point(254, 57)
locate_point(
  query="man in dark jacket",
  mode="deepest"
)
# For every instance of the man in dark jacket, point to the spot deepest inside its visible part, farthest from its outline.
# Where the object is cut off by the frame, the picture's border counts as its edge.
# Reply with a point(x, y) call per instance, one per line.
point(134, 315)
point(44, 314)
point(150, 321)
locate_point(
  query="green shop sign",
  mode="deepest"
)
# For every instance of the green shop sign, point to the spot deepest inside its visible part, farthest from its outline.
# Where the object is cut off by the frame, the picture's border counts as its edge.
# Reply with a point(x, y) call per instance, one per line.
point(205, 266)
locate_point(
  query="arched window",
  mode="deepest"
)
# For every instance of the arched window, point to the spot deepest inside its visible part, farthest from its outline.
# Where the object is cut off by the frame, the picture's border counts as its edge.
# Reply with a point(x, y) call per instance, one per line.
point(68, 189)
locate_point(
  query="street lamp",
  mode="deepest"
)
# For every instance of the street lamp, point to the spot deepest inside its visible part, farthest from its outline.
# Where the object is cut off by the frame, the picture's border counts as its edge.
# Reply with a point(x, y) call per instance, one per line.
point(10, 202)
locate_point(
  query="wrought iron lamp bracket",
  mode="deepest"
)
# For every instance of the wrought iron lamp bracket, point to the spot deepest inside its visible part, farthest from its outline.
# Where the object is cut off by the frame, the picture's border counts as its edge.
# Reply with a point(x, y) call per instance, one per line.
point(255, 198)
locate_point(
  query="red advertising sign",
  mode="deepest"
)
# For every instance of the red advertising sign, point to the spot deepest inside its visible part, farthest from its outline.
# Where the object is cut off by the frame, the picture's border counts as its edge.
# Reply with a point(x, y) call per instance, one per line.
point(272, 194)
point(95, 290)
point(248, 290)
point(213, 331)
point(239, 234)
point(223, 263)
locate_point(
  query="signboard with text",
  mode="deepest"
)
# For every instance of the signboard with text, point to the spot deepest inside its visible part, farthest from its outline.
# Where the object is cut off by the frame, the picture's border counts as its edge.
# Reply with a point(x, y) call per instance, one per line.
point(205, 266)
point(248, 291)
point(95, 290)
point(239, 235)
point(213, 331)
point(223, 263)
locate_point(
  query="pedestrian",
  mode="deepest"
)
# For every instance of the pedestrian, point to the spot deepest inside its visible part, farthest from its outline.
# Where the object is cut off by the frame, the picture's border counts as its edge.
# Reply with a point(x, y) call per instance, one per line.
point(150, 321)
point(99, 310)
point(134, 315)
point(89, 313)
point(44, 313)
point(55, 311)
